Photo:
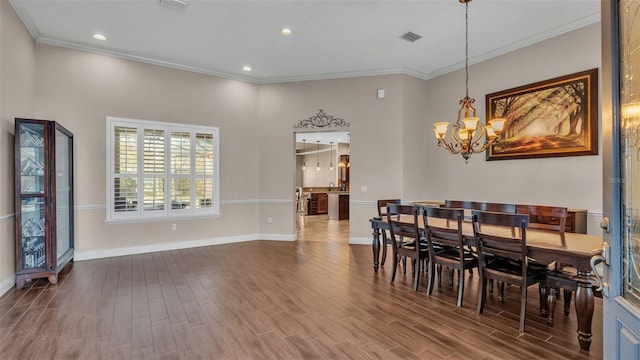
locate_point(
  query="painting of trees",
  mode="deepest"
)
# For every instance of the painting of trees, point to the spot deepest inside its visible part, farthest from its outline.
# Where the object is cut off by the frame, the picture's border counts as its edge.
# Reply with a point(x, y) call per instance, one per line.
point(557, 117)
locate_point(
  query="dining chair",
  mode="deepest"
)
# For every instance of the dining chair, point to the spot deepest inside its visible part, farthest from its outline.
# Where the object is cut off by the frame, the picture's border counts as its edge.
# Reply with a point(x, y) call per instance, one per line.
point(552, 218)
point(509, 262)
point(382, 213)
point(446, 246)
point(498, 207)
point(406, 239)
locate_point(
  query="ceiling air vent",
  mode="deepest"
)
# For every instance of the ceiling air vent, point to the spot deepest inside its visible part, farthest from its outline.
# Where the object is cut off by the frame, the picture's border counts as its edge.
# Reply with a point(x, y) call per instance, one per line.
point(411, 37)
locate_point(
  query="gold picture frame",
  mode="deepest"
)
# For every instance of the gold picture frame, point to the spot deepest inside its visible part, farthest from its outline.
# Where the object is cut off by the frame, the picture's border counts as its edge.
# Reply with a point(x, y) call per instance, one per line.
point(551, 118)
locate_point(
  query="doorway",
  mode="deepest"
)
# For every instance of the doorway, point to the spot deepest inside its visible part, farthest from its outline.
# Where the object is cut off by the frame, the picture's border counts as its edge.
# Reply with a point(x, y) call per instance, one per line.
point(322, 185)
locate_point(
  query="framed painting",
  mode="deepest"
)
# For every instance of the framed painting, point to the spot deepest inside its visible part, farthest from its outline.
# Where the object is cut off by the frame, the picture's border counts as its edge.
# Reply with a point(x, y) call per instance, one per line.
point(551, 118)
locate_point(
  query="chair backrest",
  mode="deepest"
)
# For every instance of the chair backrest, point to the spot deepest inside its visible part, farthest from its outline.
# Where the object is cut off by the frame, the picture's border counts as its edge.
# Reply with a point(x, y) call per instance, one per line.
point(545, 217)
point(403, 229)
point(382, 206)
point(497, 242)
point(439, 235)
point(458, 204)
point(497, 207)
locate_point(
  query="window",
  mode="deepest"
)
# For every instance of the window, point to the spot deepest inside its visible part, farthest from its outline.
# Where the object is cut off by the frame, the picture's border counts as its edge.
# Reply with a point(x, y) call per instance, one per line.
point(160, 170)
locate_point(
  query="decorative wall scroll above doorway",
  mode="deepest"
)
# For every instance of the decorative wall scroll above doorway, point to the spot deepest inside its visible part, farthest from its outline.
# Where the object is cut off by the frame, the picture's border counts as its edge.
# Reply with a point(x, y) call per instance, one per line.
point(321, 120)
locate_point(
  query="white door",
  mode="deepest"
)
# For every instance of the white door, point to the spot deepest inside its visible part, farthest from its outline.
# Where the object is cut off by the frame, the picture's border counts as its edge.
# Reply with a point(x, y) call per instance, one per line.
point(621, 177)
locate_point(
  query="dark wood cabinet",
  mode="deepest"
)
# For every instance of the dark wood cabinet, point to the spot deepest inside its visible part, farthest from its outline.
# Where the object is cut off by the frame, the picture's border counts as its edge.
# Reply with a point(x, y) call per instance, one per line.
point(318, 203)
point(44, 227)
point(338, 206)
point(343, 167)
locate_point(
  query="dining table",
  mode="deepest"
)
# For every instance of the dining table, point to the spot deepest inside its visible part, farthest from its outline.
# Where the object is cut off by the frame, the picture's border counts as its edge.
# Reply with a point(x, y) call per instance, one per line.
point(543, 246)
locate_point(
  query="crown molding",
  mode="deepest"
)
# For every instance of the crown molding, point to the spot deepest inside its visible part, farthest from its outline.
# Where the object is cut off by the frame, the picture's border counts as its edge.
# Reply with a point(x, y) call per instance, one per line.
point(37, 36)
point(518, 45)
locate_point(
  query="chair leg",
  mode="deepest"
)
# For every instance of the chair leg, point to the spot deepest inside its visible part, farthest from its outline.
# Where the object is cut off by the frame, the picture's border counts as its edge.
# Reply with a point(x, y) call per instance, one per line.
point(404, 264)
point(432, 277)
point(384, 251)
point(395, 266)
point(417, 270)
point(491, 286)
point(460, 287)
point(439, 274)
point(501, 294)
point(567, 300)
point(482, 294)
point(523, 306)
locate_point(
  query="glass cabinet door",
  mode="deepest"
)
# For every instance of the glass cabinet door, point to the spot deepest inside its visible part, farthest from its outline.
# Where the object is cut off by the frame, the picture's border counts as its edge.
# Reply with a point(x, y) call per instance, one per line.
point(33, 232)
point(64, 196)
point(32, 158)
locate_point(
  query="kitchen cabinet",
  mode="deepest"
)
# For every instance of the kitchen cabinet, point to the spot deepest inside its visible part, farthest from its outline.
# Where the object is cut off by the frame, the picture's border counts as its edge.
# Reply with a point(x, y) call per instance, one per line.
point(44, 204)
point(318, 203)
point(343, 171)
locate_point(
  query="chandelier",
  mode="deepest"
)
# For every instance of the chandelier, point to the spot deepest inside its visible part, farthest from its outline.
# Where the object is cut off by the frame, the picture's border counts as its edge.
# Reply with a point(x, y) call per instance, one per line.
point(468, 135)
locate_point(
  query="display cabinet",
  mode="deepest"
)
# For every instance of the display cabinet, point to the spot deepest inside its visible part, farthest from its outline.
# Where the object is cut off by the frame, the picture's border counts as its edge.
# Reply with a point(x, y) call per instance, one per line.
point(43, 199)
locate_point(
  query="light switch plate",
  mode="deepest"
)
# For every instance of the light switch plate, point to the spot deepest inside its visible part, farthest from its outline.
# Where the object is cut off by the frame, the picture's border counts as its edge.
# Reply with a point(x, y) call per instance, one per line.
point(364, 188)
point(380, 93)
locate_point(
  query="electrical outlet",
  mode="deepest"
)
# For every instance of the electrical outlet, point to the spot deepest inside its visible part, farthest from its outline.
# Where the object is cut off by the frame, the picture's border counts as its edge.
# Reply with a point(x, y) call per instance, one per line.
point(364, 188)
point(269, 220)
point(173, 227)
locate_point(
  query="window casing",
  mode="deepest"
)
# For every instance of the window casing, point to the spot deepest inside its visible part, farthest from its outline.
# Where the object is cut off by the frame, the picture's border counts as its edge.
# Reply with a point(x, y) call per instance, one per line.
point(160, 170)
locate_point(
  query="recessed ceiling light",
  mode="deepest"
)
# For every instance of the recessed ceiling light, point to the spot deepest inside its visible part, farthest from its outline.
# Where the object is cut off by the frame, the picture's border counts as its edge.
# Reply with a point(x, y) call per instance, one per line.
point(99, 37)
point(285, 31)
point(246, 68)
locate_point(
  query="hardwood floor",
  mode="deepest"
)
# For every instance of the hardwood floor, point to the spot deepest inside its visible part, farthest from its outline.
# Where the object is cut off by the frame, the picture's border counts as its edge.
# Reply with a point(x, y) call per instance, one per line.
point(320, 228)
point(269, 300)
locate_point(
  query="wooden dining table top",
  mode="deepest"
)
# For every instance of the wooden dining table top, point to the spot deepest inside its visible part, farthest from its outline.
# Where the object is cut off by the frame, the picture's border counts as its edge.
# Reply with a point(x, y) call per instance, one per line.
point(580, 245)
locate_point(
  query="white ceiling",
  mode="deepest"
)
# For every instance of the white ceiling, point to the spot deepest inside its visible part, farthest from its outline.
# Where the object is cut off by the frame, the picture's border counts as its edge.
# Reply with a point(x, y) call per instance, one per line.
point(330, 38)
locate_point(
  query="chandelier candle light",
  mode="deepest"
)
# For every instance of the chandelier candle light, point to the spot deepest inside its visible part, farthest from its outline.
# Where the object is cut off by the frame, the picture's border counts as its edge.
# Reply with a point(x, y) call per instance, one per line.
point(468, 137)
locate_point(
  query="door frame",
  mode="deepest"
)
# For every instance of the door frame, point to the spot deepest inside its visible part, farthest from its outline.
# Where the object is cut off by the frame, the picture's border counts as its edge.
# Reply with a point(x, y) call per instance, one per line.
point(621, 319)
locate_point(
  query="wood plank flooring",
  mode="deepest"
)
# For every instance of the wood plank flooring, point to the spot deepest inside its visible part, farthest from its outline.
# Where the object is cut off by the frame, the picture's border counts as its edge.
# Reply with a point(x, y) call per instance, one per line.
point(308, 299)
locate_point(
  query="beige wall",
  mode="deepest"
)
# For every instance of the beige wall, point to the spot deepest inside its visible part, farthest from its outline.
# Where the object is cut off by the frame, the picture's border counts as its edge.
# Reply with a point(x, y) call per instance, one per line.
point(17, 95)
point(376, 141)
point(393, 151)
point(79, 89)
point(574, 182)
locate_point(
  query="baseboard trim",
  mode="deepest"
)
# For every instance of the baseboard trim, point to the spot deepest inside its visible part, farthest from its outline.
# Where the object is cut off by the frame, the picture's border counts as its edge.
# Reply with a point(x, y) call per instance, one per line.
point(100, 254)
point(7, 284)
point(360, 240)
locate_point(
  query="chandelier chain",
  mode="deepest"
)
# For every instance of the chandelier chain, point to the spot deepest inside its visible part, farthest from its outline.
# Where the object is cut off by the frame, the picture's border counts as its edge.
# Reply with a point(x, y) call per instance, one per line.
point(466, 48)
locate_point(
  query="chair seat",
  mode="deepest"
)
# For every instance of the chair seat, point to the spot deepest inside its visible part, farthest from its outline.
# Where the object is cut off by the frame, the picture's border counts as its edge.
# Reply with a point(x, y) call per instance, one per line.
point(412, 246)
point(500, 265)
point(454, 254)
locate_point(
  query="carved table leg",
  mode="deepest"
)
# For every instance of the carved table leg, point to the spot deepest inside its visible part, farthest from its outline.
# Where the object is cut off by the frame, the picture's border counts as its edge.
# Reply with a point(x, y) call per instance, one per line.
point(544, 306)
point(376, 248)
point(552, 297)
point(584, 309)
